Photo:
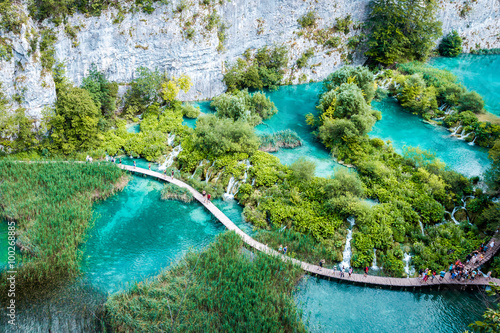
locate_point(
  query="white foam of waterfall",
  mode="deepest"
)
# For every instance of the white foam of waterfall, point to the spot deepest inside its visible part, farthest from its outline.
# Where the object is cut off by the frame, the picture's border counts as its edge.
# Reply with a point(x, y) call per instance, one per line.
point(346, 255)
point(455, 130)
point(473, 142)
point(441, 108)
point(169, 160)
point(253, 181)
point(406, 260)
point(229, 192)
point(209, 171)
point(374, 263)
point(170, 139)
point(464, 136)
point(199, 165)
point(421, 227)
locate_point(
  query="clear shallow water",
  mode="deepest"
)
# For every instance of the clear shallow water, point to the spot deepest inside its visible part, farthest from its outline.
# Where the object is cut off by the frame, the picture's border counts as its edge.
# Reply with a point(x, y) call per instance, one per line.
point(405, 129)
point(477, 72)
point(136, 234)
point(133, 128)
point(335, 307)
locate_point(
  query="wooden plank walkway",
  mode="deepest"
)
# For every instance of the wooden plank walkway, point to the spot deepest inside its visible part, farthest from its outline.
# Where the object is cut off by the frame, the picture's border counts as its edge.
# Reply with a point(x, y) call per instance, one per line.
point(314, 269)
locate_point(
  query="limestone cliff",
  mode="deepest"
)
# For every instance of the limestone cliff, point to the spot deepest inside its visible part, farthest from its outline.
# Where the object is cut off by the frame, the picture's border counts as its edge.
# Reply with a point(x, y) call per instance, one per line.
point(118, 43)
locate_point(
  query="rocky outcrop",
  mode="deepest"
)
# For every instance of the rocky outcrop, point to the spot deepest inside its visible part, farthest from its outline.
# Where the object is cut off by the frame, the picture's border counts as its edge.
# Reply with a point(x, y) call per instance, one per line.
point(159, 40)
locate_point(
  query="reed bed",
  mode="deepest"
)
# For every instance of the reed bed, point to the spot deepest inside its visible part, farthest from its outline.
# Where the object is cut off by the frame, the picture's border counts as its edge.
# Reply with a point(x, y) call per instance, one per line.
point(281, 139)
point(52, 206)
point(173, 192)
point(217, 290)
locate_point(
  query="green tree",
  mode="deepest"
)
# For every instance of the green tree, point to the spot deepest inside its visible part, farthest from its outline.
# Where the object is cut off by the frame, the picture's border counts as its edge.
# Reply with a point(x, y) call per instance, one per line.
point(103, 92)
point(359, 75)
point(401, 30)
point(303, 170)
point(74, 125)
point(415, 95)
point(451, 45)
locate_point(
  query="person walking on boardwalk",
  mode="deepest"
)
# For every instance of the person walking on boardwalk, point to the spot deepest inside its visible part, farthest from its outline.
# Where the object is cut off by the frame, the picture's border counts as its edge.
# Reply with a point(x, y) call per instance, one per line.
point(204, 196)
point(134, 164)
point(321, 262)
point(209, 196)
point(172, 174)
point(350, 271)
point(280, 249)
point(120, 161)
point(366, 271)
point(285, 249)
point(149, 166)
point(165, 173)
point(342, 272)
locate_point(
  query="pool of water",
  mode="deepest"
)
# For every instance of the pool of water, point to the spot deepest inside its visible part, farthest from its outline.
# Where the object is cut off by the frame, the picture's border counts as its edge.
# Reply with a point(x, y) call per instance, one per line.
point(339, 307)
point(477, 72)
point(136, 234)
point(133, 128)
point(405, 129)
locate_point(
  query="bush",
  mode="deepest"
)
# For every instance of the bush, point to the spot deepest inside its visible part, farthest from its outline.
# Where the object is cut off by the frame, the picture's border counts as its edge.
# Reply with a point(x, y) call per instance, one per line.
point(174, 192)
point(451, 45)
point(308, 20)
point(304, 58)
point(190, 111)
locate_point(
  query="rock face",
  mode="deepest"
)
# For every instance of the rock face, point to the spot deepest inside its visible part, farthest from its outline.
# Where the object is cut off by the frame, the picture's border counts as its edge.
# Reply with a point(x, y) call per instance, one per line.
point(159, 40)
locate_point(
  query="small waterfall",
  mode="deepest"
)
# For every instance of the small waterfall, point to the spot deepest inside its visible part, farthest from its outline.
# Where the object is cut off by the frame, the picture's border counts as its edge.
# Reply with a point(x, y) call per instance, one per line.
point(199, 165)
point(452, 214)
point(464, 136)
point(406, 260)
point(472, 143)
point(442, 107)
point(209, 170)
point(455, 130)
point(169, 160)
point(253, 181)
point(374, 263)
point(170, 139)
point(229, 195)
point(346, 255)
point(440, 118)
point(421, 227)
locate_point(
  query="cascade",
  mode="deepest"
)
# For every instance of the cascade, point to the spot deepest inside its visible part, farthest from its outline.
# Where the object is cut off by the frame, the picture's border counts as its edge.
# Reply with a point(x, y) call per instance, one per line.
point(209, 170)
point(229, 192)
point(472, 143)
point(253, 181)
point(440, 118)
point(346, 255)
point(421, 227)
point(464, 136)
point(199, 165)
point(455, 130)
point(406, 260)
point(169, 160)
point(442, 107)
point(170, 139)
point(374, 263)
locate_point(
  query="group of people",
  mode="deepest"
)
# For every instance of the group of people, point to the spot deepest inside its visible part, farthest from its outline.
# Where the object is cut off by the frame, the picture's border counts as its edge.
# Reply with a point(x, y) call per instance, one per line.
point(342, 269)
point(459, 270)
point(283, 249)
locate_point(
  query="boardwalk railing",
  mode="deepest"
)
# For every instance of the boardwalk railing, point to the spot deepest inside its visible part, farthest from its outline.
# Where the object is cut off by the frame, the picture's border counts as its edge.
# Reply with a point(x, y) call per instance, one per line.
point(314, 269)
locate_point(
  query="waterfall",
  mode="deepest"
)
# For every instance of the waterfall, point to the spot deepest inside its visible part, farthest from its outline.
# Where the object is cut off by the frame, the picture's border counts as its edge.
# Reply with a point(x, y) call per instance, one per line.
point(229, 192)
point(440, 118)
point(346, 255)
point(464, 136)
point(421, 227)
point(406, 260)
point(452, 214)
point(253, 181)
point(169, 160)
point(374, 263)
point(209, 170)
point(170, 139)
point(472, 143)
point(441, 108)
point(455, 130)
point(199, 165)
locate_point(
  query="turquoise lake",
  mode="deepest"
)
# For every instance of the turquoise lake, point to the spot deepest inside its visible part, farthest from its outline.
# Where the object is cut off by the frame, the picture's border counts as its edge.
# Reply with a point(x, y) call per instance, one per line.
point(477, 72)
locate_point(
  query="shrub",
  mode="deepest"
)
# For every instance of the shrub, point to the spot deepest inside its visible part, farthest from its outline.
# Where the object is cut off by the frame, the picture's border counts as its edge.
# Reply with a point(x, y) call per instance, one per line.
point(304, 58)
point(174, 192)
point(190, 111)
point(451, 45)
point(308, 20)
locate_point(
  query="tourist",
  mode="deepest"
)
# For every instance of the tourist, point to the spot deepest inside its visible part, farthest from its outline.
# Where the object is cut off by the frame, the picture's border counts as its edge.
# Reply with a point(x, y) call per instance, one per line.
point(433, 275)
point(321, 263)
point(204, 194)
point(473, 275)
point(165, 173)
point(468, 258)
point(350, 271)
point(134, 164)
point(451, 268)
point(120, 161)
point(285, 249)
point(87, 158)
point(172, 174)
point(208, 197)
point(280, 248)
point(366, 271)
point(335, 270)
point(342, 272)
point(492, 244)
point(149, 166)
point(489, 275)
point(442, 275)
point(481, 258)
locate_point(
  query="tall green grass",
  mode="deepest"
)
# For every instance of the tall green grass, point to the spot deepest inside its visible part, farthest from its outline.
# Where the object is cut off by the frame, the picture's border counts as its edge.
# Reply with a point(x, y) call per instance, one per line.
point(173, 192)
point(281, 139)
point(52, 206)
point(218, 290)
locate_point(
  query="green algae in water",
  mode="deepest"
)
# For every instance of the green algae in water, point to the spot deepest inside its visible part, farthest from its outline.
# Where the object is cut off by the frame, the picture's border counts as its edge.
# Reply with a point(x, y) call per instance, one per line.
point(136, 234)
point(330, 306)
point(405, 129)
point(477, 72)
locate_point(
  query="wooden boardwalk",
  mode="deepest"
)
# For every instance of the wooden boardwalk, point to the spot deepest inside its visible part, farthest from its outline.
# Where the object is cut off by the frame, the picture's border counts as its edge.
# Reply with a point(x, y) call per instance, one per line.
point(314, 269)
